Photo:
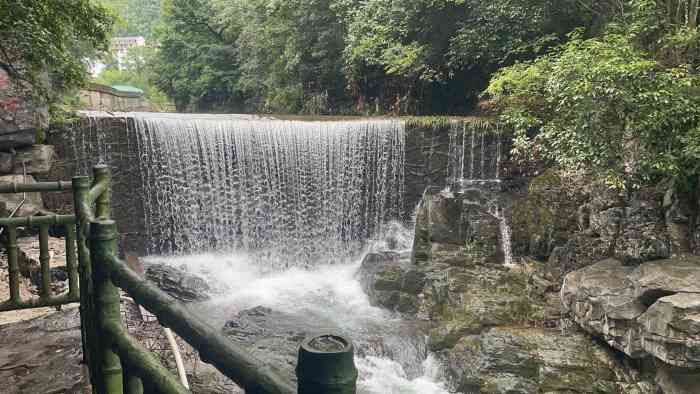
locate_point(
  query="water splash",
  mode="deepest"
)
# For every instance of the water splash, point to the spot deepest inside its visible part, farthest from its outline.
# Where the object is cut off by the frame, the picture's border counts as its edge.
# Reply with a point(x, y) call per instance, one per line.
point(392, 355)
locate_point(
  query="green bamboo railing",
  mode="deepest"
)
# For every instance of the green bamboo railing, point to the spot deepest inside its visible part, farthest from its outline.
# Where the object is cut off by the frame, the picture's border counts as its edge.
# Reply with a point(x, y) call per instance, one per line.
point(117, 363)
point(10, 225)
point(114, 349)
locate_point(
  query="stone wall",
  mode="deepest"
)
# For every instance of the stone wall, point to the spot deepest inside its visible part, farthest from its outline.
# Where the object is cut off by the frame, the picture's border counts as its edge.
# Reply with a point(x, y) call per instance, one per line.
point(79, 149)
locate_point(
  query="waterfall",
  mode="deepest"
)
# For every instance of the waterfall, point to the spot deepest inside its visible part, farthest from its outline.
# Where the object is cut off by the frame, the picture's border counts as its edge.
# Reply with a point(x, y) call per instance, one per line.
point(289, 192)
point(475, 164)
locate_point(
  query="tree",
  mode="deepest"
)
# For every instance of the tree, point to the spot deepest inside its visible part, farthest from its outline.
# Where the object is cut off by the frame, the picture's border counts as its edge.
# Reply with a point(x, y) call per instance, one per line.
point(138, 17)
point(66, 32)
point(606, 105)
point(291, 56)
point(197, 63)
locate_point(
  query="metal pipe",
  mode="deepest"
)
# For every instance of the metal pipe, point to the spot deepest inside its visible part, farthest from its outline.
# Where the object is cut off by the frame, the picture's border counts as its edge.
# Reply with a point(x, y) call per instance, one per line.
point(71, 261)
point(178, 357)
point(81, 186)
point(103, 177)
point(37, 303)
point(24, 196)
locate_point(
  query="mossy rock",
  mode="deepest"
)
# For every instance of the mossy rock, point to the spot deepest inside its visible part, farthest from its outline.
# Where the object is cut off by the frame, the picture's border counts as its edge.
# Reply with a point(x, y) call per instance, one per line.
point(389, 279)
point(547, 215)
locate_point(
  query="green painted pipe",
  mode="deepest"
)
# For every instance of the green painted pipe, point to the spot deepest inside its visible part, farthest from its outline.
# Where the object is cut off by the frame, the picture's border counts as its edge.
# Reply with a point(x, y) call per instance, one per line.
point(326, 365)
point(37, 303)
point(13, 265)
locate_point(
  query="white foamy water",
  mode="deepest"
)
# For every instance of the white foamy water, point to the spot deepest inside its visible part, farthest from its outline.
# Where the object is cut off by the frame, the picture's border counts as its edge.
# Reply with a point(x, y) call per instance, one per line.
point(331, 296)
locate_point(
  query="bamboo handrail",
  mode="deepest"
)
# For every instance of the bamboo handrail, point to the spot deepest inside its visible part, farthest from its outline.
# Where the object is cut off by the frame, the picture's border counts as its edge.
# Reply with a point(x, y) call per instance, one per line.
point(252, 374)
point(142, 361)
point(35, 187)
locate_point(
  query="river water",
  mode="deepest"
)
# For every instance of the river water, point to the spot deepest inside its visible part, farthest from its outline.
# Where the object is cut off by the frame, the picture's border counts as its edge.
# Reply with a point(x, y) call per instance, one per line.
point(391, 355)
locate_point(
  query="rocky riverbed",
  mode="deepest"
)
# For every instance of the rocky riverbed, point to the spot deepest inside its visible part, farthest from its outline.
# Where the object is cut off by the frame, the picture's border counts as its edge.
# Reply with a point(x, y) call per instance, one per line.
point(560, 318)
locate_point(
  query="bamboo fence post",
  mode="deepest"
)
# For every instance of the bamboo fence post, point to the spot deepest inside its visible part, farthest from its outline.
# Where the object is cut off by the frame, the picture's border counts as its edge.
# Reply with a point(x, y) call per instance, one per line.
point(103, 244)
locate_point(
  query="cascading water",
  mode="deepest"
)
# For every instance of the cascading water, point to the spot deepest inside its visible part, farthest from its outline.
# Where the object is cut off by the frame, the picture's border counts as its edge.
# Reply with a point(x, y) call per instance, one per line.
point(475, 165)
point(295, 191)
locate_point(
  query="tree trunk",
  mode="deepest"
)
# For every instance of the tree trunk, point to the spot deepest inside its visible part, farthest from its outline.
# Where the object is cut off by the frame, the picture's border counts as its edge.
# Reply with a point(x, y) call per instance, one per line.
point(693, 11)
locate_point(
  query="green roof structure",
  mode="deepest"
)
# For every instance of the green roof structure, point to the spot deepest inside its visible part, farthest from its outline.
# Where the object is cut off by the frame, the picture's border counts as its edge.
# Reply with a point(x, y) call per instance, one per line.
point(127, 88)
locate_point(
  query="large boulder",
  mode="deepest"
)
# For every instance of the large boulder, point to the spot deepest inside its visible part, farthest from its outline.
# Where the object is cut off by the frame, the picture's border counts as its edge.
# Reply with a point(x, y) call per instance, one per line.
point(180, 284)
point(469, 219)
point(391, 282)
point(650, 310)
point(507, 360)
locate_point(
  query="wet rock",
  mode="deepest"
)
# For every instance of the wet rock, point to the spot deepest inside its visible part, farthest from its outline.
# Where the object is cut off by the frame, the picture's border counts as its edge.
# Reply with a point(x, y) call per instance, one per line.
point(37, 159)
point(607, 223)
point(9, 202)
point(273, 336)
point(179, 283)
point(389, 283)
point(6, 163)
point(547, 214)
point(413, 281)
point(580, 251)
point(531, 360)
point(673, 380)
point(457, 221)
point(678, 211)
point(477, 298)
point(653, 309)
point(389, 279)
point(43, 355)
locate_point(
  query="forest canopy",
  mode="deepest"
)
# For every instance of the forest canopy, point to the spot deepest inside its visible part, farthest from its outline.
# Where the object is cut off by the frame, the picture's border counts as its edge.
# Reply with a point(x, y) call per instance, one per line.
point(351, 56)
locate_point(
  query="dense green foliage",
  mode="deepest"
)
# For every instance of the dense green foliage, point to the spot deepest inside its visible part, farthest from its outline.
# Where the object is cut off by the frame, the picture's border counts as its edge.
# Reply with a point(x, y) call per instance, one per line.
point(46, 40)
point(351, 56)
point(137, 17)
point(625, 104)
